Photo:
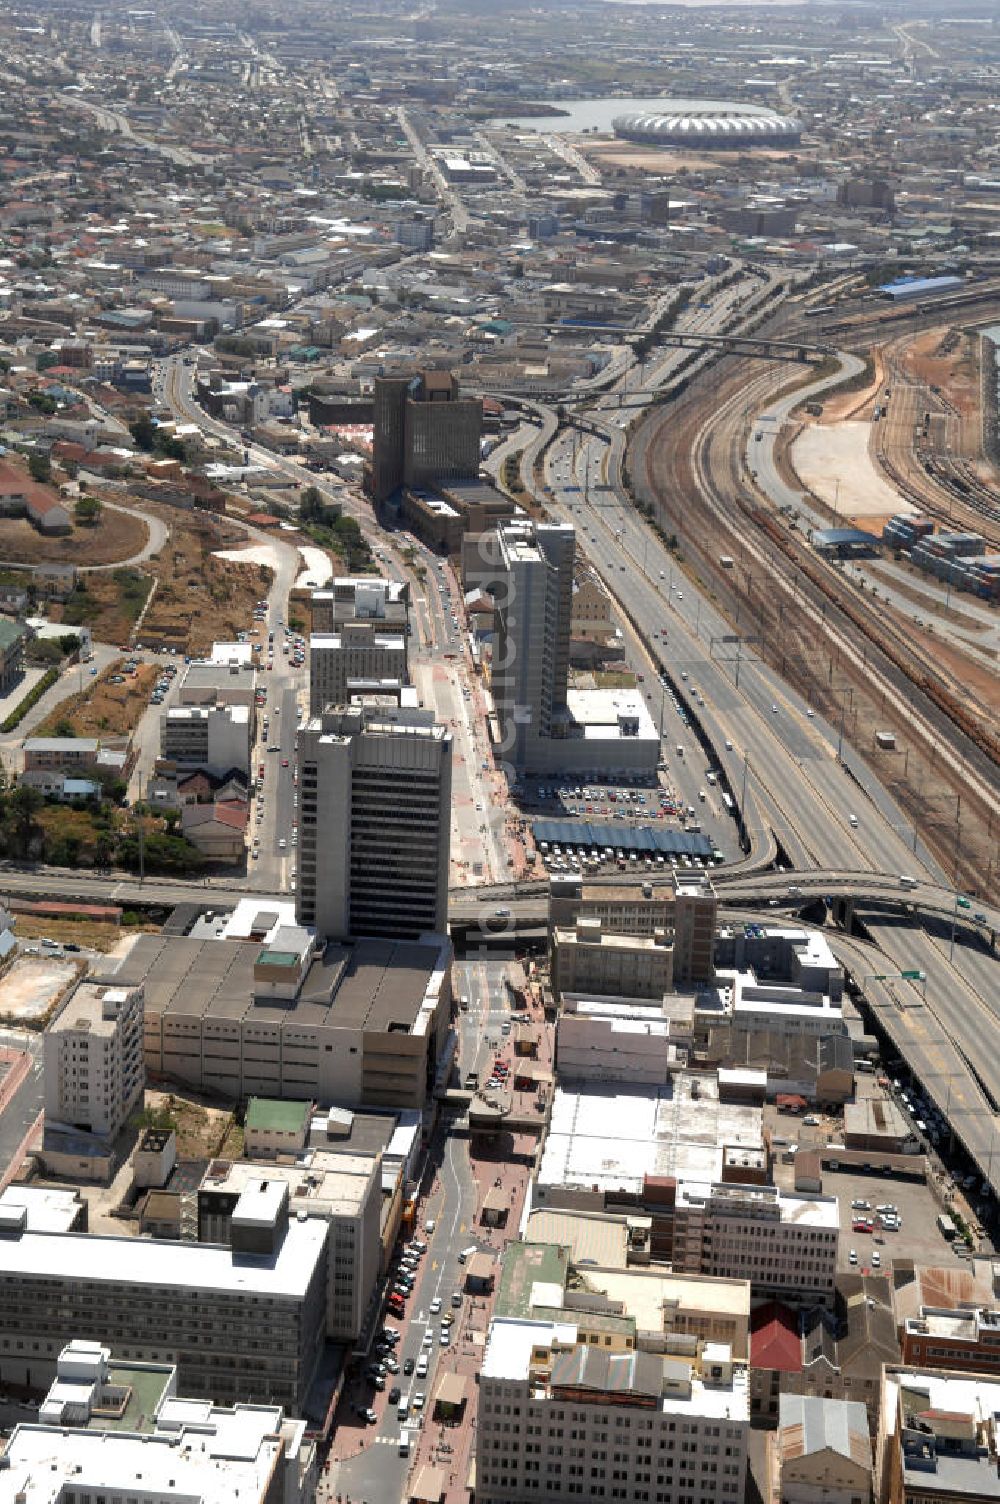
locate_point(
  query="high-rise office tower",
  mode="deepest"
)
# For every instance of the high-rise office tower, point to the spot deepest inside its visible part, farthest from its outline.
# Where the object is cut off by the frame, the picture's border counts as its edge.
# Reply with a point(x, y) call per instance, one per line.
point(534, 599)
point(374, 821)
point(424, 432)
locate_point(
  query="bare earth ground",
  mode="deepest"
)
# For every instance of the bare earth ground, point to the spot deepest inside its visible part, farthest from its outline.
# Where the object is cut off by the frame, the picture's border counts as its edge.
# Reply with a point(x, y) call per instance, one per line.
point(605, 153)
point(87, 933)
point(105, 709)
point(200, 599)
point(115, 537)
point(33, 985)
point(950, 363)
point(202, 1129)
point(834, 462)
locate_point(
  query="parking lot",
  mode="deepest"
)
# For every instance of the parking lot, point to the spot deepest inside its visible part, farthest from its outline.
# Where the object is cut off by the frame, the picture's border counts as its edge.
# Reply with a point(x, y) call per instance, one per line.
point(918, 1208)
point(601, 826)
point(917, 1203)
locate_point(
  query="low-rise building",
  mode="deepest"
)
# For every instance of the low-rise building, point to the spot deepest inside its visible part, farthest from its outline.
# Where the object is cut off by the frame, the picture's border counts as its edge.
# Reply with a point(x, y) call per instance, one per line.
point(61, 754)
point(567, 1410)
point(273, 1127)
point(773, 979)
point(937, 1438)
point(584, 959)
point(215, 737)
point(12, 637)
point(822, 1452)
point(362, 1024)
point(775, 1357)
point(953, 1337)
point(844, 1349)
point(218, 830)
point(686, 912)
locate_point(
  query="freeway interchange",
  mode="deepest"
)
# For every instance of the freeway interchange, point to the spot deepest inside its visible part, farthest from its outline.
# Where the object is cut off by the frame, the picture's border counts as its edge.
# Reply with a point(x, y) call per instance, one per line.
point(801, 781)
point(808, 799)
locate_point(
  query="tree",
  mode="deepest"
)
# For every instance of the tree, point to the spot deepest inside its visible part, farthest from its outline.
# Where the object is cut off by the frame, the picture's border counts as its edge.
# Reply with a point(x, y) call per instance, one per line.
point(40, 468)
point(25, 802)
point(88, 511)
point(143, 430)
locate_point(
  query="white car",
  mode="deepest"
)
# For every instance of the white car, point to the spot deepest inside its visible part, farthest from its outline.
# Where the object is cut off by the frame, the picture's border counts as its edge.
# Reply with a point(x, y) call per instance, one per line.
point(435, 1306)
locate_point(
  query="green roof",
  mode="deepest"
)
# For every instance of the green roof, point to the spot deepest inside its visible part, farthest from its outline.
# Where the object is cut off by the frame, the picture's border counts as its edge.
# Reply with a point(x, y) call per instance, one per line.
point(146, 1383)
point(277, 958)
point(268, 1115)
point(524, 1266)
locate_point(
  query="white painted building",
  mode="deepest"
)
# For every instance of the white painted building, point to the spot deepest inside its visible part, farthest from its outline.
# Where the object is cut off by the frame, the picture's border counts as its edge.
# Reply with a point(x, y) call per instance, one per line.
point(94, 1072)
point(565, 1418)
point(785, 1245)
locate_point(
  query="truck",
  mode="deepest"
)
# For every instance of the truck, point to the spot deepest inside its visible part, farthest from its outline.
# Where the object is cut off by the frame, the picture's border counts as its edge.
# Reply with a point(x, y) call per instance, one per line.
point(885, 741)
point(946, 1227)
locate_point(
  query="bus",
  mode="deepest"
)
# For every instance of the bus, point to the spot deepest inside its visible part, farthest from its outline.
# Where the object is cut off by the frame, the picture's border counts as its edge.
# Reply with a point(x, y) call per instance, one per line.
point(946, 1227)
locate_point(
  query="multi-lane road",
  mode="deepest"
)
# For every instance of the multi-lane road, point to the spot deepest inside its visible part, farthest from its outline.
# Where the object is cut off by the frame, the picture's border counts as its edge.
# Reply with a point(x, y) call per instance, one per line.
point(823, 802)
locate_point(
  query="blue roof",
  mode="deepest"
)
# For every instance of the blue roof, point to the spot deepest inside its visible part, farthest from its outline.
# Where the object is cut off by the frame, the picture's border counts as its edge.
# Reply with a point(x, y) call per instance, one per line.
point(833, 537)
point(909, 287)
point(637, 838)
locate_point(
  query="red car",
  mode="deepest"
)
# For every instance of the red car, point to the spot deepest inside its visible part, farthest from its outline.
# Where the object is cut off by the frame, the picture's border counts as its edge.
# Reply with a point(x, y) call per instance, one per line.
point(860, 1225)
point(284, 762)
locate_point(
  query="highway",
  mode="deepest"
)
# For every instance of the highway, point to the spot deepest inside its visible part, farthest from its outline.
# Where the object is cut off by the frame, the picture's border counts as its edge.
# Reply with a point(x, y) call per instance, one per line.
point(800, 779)
point(824, 804)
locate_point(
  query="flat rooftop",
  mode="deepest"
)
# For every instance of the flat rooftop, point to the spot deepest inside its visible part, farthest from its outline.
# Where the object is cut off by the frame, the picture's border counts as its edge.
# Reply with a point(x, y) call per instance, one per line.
point(649, 1296)
point(85, 1009)
point(371, 985)
point(225, 1456)
point(613, 1138)
point(813, 1211)
point(512, 1341)
point(335, 1185)
point(168, 1265)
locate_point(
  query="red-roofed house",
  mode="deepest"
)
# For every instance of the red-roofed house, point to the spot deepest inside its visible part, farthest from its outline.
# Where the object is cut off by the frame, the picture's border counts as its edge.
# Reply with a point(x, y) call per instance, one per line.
point(775, 1349)
point(218, 830)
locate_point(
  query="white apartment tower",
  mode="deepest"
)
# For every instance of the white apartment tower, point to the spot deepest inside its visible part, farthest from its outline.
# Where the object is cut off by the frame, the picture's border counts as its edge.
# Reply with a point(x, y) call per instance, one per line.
point(534, 603)
point(374, 821)
point(94, 1073)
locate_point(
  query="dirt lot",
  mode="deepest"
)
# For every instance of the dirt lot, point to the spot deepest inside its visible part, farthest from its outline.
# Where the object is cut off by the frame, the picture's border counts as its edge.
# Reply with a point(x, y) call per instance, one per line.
point(605, 154)
point(32, 987)
point(200, 599)
point(203, 1131)
point(116, 536)
point(89, 934)
point(109, 603)
point(945, 358)
point(105, 709)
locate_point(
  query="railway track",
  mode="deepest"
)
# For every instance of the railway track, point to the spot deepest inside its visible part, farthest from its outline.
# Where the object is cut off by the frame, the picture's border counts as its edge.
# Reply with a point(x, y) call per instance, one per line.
point(821, 605)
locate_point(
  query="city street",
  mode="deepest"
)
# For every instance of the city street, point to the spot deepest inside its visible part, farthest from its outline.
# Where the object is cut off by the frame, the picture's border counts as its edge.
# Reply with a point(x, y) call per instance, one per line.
point(365, 1460)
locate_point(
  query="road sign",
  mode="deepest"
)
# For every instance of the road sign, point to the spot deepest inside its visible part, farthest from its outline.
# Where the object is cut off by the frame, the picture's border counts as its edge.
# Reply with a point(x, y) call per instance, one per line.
point(912, 976)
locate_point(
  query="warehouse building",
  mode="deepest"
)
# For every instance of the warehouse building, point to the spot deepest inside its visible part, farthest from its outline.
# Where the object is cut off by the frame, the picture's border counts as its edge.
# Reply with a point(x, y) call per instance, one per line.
point(362, 1024)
